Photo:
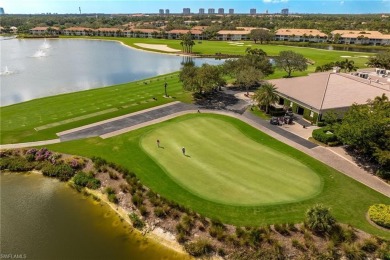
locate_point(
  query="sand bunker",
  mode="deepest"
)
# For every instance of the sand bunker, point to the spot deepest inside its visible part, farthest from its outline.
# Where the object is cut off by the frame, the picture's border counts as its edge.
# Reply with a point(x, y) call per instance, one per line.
point(159, 47)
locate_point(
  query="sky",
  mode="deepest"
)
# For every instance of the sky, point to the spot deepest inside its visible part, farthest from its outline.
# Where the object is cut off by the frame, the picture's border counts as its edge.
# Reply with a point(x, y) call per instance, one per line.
point(176, 6)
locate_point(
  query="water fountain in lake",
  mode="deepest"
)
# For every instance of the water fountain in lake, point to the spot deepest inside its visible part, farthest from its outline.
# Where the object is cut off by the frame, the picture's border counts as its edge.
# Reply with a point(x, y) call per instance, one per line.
point(6, 71)
point(39, 53)
point(45, 45)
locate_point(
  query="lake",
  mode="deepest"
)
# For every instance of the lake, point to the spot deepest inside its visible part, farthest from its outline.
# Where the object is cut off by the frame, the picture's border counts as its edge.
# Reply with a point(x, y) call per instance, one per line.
point(34, 68)
point(42, 218)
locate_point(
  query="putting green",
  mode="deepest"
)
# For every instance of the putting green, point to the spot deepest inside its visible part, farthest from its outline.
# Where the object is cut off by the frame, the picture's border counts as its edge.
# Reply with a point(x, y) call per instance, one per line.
point(225, 166)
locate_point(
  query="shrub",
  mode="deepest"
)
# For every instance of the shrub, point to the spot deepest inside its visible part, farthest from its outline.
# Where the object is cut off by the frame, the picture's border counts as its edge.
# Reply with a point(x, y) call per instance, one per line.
point(99, 162)
point(298, 245)
point(113, 175)
point(86, 180)
point(217, 232)
point(112, 198)
point(325, 135)
point(353, 252)
point(143, 211)
point(124, 187)
point(380, 214)
point(137, 222)
point(75, 162)
point(369, 245)
point(159, 212)
point(18, 164)
point(319, 220)
point(62, 171)
point(137, 200)
point(282, 229)
point(109, 190)
point(199, 247)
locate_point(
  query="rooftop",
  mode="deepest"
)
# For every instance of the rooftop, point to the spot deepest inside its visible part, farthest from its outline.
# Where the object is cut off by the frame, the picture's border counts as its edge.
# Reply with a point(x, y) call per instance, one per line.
point(327, 90)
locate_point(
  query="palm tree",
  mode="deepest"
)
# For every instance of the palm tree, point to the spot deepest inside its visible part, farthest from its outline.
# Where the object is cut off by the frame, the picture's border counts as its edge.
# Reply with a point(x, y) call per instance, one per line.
point(349, 65)
point(319, 219)
point(266, 96)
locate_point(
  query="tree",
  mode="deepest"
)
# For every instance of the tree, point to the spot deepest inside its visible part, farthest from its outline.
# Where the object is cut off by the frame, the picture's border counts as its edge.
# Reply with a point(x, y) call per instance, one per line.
point(187, 42)
point(201, 79)
point(266, 96)
point(380, 61)
point(260, 35)
point(319, 219)
point(291, 61)
point(250, 69)
point(366, 129)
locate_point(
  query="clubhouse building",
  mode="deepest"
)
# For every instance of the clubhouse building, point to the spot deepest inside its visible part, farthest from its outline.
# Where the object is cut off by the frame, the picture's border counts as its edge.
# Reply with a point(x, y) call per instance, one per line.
point(314, 95)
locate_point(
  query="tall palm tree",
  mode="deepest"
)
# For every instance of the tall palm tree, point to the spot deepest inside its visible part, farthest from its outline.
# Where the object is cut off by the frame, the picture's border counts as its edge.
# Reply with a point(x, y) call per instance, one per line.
point(266, 96)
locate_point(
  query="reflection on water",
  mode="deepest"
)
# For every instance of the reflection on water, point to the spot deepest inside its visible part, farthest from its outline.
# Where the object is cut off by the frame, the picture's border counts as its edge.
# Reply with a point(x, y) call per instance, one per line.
point(49, 67)
point(44, 219)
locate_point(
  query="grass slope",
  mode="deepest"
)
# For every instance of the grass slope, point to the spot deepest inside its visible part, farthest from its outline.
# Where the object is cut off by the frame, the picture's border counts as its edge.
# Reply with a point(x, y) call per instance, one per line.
point(232, 171)
point(58, 113)
point(349, 200)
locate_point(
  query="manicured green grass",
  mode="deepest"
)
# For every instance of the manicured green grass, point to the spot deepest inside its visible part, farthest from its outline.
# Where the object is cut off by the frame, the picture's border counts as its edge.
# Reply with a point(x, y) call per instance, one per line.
point(233, 171)
point(348, 199)
point(54, 114)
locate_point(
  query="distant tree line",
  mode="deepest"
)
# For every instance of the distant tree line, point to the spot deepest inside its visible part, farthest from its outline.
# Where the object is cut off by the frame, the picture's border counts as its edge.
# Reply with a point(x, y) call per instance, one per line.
point(325, 23)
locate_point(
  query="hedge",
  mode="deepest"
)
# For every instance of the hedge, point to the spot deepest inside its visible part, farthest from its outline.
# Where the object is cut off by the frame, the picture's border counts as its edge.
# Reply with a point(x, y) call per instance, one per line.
point(323, 136)
point(380, 214)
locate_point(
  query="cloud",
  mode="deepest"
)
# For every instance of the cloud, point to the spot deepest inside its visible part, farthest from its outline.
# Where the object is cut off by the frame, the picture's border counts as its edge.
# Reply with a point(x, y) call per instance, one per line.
point(341, 2)
point(275, 1)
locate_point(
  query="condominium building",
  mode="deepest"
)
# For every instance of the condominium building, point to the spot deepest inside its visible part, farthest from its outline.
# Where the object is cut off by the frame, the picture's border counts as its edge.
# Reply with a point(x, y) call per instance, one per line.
point(221, 11)
point(360, 37)
point(201, 10)
point(211, 11)
point(252, 11)
point(166, 11)
point(186, 11)
point(285, 11)
point(231, 11)
point(161, 11)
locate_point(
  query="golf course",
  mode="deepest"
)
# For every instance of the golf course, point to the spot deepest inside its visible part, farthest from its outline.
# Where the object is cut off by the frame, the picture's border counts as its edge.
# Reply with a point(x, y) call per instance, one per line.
point(223, 165)
point(232, 172)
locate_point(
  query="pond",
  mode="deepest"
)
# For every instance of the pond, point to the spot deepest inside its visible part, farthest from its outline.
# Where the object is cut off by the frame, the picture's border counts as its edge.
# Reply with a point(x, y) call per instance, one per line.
point(33, 68)
point(42, 218)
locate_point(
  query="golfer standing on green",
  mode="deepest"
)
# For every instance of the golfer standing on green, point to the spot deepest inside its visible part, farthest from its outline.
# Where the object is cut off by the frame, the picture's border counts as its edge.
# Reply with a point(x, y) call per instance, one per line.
point(158, 143)
point(183, 150)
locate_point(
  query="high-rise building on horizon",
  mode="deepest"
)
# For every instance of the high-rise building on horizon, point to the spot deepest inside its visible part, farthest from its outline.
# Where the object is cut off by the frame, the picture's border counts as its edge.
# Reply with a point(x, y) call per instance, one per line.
point(285, 11)
point(1, 10)
point(186, 11)
point(252, 11)
point(201, 10)
point(231, 11)
point(161, 11)
point(211, 11)
point(221, 11)
point(166, 11)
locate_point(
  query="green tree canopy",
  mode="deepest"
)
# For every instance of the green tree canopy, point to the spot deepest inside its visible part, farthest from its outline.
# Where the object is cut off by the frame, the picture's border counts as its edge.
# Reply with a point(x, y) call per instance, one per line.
point(261, 35)
point(201, 79)
point(291, 61)
point(265, 96)
point(380, 61)
point(366, 128)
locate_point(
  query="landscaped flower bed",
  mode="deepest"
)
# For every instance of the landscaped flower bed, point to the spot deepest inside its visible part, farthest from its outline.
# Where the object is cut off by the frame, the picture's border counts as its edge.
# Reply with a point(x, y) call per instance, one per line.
point(380, 214)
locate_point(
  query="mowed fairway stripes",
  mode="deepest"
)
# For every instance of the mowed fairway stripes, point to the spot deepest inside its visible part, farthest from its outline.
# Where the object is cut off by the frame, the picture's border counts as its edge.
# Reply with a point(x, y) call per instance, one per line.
point(223, 165)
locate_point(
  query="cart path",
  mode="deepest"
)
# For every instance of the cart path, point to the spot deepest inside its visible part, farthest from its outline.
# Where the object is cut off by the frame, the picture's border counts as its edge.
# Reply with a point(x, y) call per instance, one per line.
point(126, 123)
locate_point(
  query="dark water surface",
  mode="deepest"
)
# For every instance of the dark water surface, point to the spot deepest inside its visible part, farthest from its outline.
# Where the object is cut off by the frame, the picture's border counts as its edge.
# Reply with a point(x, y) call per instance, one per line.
point(33, 68)
point(42, 218)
